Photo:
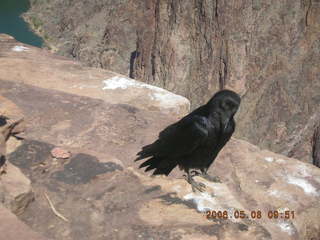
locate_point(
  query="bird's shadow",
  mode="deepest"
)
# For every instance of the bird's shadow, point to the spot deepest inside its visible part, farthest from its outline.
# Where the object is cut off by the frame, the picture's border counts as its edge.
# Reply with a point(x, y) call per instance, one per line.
point(170, 199)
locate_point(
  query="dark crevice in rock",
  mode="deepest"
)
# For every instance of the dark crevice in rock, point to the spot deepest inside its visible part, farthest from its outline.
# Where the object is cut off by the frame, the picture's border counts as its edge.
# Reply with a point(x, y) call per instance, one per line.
point(223, 70)
point(308, 11)
point(154, 46)
point(173, 10)
point(216, 10)
point(106, 36)
point(133, 57)
point(316, 147)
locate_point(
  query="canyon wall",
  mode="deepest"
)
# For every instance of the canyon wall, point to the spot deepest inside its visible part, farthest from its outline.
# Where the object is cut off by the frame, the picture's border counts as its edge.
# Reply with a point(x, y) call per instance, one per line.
point(267, 51)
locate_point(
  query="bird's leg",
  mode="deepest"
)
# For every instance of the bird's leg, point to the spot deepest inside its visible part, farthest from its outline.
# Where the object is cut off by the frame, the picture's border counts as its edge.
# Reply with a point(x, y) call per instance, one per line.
point(208, 177)
point(195, 173)
point(195, 185)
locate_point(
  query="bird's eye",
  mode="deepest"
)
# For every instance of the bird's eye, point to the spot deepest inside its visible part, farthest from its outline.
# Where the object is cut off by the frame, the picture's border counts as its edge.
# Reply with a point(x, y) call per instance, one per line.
point(231, 104)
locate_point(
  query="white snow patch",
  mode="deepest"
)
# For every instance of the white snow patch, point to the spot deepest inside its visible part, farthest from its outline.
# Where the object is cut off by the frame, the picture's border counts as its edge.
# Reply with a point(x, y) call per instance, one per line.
point(19, 48)
point(286, 227)
point(169, 99)
point(304, 184)
point(121, 82)
point(269, 159)
point(204, 201)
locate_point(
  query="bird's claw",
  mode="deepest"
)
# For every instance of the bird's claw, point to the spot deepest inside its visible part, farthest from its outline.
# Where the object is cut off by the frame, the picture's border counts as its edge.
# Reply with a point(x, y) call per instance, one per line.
point(195, 185)
point(211, 178)
point(195, 173)
point(198, 186)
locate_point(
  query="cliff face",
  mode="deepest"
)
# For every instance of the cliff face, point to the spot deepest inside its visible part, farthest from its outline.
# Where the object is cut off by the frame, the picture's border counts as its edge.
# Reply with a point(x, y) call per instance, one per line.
point(84, 127)
point(266, 51)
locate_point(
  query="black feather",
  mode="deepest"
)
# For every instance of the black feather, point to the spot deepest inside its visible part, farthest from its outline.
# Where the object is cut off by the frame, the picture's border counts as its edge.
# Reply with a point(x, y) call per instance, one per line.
point(150, 168)
point(195, 140)
point(151, 161)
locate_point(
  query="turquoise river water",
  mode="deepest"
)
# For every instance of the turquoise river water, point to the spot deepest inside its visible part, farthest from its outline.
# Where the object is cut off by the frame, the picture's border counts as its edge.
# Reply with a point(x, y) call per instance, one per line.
point(11, 23)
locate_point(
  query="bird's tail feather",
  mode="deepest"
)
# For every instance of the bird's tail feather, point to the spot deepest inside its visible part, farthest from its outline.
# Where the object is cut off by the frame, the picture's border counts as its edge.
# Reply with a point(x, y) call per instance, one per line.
point(162, 166)
point(147, 151)
point(166, 170)
point(157, 161)
point(150, 162)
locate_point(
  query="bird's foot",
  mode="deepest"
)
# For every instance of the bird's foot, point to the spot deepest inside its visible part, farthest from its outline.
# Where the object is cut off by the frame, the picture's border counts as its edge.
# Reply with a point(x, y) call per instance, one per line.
point(195, 173)
point(211, 178)
point(196, 185)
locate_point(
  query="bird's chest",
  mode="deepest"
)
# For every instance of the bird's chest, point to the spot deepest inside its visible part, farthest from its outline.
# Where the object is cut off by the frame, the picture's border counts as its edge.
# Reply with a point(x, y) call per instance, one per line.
point(213, 138)
point(217, 138)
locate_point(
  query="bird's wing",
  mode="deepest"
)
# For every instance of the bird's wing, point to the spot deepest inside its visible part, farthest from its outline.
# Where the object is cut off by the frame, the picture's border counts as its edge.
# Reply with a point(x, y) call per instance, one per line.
point(178, 139)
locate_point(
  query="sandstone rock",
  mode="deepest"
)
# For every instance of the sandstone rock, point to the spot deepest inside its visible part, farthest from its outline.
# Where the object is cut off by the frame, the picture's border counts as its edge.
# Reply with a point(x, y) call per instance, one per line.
point(60, 153)
point(15, 190)
point(82, 123)
point(122, 203)
point(266, 51)
point(9, 109)
point(12, 228)
point(104, 196)
point(32, 65)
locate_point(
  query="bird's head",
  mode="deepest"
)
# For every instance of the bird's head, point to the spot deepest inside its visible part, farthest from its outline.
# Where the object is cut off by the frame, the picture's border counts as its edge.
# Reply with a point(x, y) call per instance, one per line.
point(225, 103)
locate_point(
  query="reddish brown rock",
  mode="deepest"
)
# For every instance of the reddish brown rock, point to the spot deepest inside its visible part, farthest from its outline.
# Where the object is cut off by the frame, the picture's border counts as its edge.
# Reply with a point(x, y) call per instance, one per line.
point(11, 228)
point(60, 153)
point(100, 189)
point(104, 196)
point(15, 190)
point(268, 51)
point(32, 65)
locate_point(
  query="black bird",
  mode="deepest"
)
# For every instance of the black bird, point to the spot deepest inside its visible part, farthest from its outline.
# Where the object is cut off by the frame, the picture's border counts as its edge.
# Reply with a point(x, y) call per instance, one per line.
point(195, 140)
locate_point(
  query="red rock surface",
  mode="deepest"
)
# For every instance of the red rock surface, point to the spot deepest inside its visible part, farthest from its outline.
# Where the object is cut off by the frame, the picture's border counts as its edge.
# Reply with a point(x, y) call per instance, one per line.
point(60, 153)
point(11, 228)
point(104, 195)
point(268, 51)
